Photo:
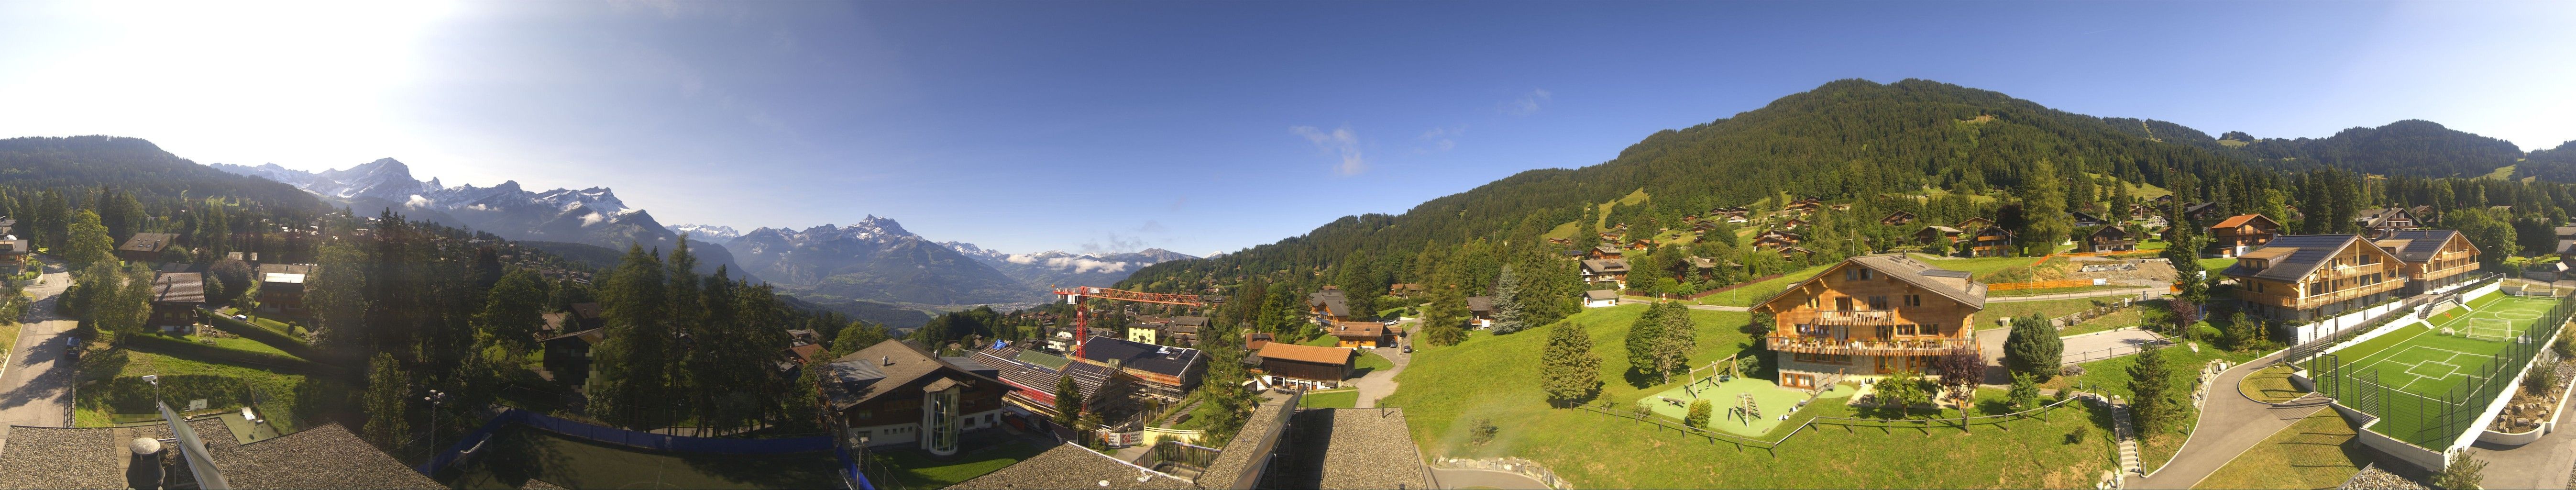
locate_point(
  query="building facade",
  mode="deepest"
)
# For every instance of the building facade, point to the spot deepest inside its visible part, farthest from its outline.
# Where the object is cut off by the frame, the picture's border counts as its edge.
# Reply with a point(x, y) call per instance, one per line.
point(1872, 315)
point(2304, 278)
point(2432, 258)
point(2241, 233)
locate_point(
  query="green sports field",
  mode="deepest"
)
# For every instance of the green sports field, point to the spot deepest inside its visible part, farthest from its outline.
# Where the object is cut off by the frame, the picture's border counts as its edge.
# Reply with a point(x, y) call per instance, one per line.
point(2422, 366)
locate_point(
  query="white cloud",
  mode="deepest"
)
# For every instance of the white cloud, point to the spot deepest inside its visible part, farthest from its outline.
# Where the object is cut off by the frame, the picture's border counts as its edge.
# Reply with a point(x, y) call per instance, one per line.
point(1441, 139)
point(1152, 226)
point(1527, 104)
point(1340, 141)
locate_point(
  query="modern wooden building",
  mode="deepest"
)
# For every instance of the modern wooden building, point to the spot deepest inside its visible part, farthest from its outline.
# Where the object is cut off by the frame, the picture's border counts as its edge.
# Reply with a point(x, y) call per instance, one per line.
point(2304, 278)
point(1308, 367)
point(2240, 233)
point(2383, 220)
point(894, 394)
point(2433, 258)
point(1991, 241)
point(1872, 315)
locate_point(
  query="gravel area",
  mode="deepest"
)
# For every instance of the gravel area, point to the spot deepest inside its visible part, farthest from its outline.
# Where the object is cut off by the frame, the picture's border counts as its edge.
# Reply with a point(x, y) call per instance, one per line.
point(2375, 478)
point(1071, 466)
point(2152, 270)
point(59, 457)
point(1371, 448)
point(326, 456)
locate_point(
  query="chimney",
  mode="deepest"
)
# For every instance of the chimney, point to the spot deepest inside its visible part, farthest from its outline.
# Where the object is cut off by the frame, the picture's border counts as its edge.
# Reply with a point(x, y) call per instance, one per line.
point(889, 360)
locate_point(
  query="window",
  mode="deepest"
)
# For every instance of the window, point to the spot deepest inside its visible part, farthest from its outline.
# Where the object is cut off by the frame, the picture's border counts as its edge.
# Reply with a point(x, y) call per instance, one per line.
point(1886, 331)
point(2316, 288)
point(1851, 274)
point(1905, 330)
point(1878, 302)
point(1807, 329)
point(1913, 300)
point(1843, 303)
point(1864, 274)
point(1813, 302)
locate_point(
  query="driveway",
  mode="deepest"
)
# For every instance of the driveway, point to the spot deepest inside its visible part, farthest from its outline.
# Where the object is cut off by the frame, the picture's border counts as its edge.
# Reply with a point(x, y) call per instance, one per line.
point(36, 388)
point(1380, 383)
point(2229, 424)
point(2106, 344)
point(2540, 464)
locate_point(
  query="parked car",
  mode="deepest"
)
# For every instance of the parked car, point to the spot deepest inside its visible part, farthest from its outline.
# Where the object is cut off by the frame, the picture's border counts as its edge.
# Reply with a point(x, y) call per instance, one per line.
point(242, 317)
point(1408, 348)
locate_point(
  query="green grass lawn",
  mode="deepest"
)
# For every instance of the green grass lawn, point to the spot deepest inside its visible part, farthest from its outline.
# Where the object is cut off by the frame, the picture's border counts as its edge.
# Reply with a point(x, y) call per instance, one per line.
point(2271, 385)
point(2426, 362)
point(916, 471)
point(1745, 296)
point(1330, 399)
point(2111, 377)
point(241, 344)
point(278, 326)
point(2215, 265)
point(1496, 378)
point(2316, 452)
point(1322, 341)
point(281, 395)
point(2126, 317)
point(1369, 361)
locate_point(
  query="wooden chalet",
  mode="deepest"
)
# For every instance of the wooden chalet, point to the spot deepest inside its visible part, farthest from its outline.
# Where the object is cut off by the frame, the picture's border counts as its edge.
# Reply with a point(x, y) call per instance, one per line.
point(147, 247)
point(2305, 278)
point(1872, 315)
point(895, 394)
point(1805, 204)
point(2110, 239)
point(2084, 219)
point(1640, 245)
point(1899, 218)
point(281, 286)
point(14, 253)
point(2432, 258)
point(1938, 234)
point(2200, 213)
point(1973, 223)
point(2383, 220)
point(2566, 243)
point(1361, 335)
point(1601, 298)
point(567, 359)
point(175, 299)
point(1185, 330)
point(1991, 241)
point(1303, 366)
point(1796, 252)
point(1329, 305)
point(1792, 223)
point(1480, 311)
point(1605, 271)
point(1605, 252)
point(2240, 233)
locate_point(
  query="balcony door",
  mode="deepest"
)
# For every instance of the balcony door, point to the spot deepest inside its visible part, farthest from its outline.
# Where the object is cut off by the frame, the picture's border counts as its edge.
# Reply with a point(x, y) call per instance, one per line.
point(1843, 303)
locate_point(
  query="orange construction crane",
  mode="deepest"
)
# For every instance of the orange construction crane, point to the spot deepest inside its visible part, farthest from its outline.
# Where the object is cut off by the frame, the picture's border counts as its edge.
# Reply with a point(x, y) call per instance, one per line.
point(1082, 317)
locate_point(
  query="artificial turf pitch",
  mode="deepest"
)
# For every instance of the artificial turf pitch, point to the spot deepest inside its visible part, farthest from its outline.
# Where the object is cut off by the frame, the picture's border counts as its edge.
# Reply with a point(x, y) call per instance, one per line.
point(2422, 366)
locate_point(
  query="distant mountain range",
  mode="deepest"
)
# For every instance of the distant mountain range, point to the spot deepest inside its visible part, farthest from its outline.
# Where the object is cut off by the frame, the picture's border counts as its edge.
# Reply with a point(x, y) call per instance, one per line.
point(592, 216)
point(1053, 268)
point(876, 259)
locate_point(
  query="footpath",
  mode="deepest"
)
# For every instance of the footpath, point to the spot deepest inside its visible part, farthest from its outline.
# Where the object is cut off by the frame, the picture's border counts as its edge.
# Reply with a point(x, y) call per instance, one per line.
point(2229, 424)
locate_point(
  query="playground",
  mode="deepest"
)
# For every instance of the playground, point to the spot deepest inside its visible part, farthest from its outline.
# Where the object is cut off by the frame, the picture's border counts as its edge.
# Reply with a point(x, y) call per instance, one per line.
point(2429, 371)
point(1737, 404)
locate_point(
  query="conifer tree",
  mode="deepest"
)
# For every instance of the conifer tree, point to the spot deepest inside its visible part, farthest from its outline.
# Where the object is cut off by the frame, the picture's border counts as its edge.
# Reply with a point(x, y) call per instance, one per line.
point(1068, 401)
point(1509, 315)
point(2033, 348)
point(513, 311)
point(388, 391)
point(1643, 335)
point(632, 355)
point(1569, 370)
point(2151, 380)
point(2044, 208)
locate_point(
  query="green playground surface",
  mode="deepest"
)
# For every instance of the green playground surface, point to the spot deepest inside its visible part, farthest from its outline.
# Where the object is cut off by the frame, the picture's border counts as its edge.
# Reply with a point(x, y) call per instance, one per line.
point(2422, 365)
point(1769, 397)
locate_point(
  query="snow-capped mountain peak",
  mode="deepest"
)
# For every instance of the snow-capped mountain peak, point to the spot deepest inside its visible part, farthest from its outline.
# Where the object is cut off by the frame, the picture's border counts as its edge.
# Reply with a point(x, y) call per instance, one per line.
point(1060, 268)
point(710, 233)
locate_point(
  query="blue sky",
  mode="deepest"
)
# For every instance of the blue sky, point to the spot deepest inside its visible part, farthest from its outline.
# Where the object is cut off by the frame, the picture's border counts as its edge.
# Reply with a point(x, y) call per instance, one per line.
point(1195, 127)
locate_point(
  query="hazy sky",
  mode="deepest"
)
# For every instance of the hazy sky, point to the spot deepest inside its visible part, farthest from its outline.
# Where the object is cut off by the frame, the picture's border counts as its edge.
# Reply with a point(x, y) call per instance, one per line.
point(1195, 127)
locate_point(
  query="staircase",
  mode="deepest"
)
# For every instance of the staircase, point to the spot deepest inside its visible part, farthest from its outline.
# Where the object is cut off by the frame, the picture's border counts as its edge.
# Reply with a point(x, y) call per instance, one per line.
point(2127, 434)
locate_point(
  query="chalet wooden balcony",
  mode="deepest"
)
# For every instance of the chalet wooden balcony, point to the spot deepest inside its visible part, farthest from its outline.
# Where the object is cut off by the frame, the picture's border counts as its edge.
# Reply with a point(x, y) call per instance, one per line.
point(1856, 318)
point(2464, 266)
point(1868, 347)
point(2302, 303)
point(2356, 271)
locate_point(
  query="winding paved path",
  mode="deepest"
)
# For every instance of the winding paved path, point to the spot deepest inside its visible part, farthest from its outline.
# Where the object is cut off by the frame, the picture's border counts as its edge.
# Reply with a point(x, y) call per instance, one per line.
point(35, 386)
point(1379, 384)
point(2229, 425)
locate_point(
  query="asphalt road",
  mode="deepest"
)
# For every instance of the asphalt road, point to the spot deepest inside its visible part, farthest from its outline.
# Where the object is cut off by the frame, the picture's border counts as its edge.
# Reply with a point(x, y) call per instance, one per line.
point(1380, 383)
point(36, 390)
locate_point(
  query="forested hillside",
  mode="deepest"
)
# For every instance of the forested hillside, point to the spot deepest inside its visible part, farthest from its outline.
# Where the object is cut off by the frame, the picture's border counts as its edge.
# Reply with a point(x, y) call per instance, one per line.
point(1844, 140)
point(2410, 147)
point(2558, 164)
point(135, 166)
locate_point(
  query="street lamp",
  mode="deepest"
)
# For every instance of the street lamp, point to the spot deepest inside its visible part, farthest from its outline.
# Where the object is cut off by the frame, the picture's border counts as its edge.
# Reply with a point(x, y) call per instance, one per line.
point(435, 399)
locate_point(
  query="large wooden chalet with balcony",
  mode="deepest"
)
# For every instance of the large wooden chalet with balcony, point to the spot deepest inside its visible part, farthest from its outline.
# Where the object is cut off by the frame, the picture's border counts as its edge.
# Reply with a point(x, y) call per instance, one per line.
point(2433, 258)
point(2241, 232)
point(2304, 278)
point(1872, 315)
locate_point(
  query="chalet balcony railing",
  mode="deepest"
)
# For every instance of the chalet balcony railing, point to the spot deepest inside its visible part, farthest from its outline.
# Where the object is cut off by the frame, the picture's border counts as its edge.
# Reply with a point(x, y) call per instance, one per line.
point(1855, 317)
point(2113, 243)
point(1868, 347)
point(2355, 270)
point(2301, 303)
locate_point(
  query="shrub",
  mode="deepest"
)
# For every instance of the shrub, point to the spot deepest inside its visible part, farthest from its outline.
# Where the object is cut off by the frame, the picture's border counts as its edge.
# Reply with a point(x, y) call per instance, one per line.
point(1699, 412)
point(2462, 473)
point(2024, 393)
point(1483, 432)
point(2542, 378)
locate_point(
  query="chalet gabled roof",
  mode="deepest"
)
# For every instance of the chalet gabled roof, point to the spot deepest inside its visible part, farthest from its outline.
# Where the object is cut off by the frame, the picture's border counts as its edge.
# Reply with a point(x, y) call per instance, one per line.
point(1601, 294)
point(2242, 220)
point(2421, 244)
point(1603, 266)
point(2080, 216)
point(899, 363)
point(2307, 254)
point(1957, 285)
point(2109, 232)
point(179, 287)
